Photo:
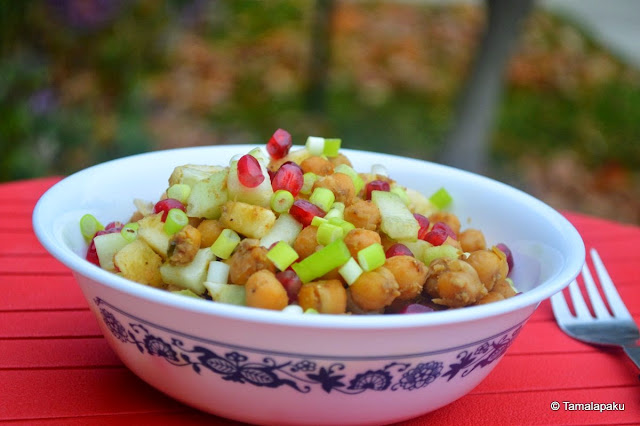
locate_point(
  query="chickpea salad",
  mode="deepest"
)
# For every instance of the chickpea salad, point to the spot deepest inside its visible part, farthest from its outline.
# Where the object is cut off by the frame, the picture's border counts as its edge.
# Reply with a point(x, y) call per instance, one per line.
point(300, 230)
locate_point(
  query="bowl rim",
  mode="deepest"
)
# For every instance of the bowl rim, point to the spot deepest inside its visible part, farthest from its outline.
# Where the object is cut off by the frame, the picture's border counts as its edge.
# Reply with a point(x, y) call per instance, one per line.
point(64, 254)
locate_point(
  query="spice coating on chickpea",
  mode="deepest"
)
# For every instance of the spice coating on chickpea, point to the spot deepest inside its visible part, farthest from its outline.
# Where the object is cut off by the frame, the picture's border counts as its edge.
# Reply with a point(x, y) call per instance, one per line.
point(472, 240)
point(325, 296)
point(248, 258)
point(306, 243)
point(374, 290)
point(340, 184)
point(410, 274)
point(448, 218)
point(453, 283)
point(340, 159)
point(491, 266)
point(210, 230)
point(363, 214)
point(184, 246)
point(317, 165)
point(263, 290)
point(357, 239)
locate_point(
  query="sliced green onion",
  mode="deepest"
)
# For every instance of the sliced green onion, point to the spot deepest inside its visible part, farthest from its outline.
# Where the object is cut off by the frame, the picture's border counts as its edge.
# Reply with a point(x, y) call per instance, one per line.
point(379, 169)
point(346, 226)
point(281, 201)
point(350, 271)
point(282, 255)
point(317, 221)
point(130, 231)
point(323, 198)
point(309, 179)
point(311, 311)
point(371, 257)
point(324, 260)
point(225, 244)
point(218, 272)
point(400, 192)
point(315, 145)
point(358, 183)
point(328, 233)
point(336, 211)
point(179, 191)
point(437, 252)
point(89, 225)
point(441, 198)
point(176, 220)
point(332, 147)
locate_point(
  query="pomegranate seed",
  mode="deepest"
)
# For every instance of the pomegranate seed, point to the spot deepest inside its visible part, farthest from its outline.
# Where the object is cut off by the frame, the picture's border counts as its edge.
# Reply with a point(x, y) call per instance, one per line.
point(92, 254)
point(303, 211)
point(446, 228)
point(376, 185)
point(288, 177)
point(398, 250)
point(507, 251)
point(249, 171)
point(422, 220)
point(291, 282)
point(279, 144)
point(436, 237)
point(416, 308)
point(166, 205)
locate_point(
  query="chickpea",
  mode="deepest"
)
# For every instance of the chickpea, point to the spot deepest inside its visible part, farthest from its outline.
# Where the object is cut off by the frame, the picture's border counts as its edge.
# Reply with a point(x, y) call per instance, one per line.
point(410, 274)
point(248, 258)
point(340, 159)
point(263, 290)
point(454, 243)
point(501, 291)
point(448, 218)
point(306, 242)
point(210, 231)
point(472, 240)
point(317, 165)
point(326, 297)
point(453, 283)
point(491, 266)
point(184, 246)
point(340, 184)
point(195, 221)
point(363, 214)
point(357, 239)
point(491, 297)
point(374, 290)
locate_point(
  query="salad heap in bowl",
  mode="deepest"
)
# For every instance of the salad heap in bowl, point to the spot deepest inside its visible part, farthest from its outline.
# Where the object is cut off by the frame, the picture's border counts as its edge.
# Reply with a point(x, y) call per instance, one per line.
point(301, 230)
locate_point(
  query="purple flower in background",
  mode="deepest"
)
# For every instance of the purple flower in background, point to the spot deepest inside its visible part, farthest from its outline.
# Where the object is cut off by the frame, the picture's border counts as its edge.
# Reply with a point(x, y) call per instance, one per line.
point(86, 14)
point(42, 101)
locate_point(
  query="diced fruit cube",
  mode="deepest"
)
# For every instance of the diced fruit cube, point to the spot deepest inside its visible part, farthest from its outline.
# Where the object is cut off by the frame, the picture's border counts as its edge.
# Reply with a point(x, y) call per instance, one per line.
point(208, 196)
point(190, 276)
point(151, 231)
point(246, 219)
point(227, 293)
point(285, 228)
point(107, 246)
point(189, 174)
point(397, 221)
point(259, 195)
point(138, 262)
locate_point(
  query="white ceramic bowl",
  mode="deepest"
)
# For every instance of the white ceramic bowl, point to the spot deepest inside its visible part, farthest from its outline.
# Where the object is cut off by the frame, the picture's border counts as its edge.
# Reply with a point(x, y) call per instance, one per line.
point(270, 367)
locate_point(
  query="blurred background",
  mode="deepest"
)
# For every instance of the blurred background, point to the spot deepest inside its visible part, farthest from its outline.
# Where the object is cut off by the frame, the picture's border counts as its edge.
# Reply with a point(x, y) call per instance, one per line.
point(84, 81)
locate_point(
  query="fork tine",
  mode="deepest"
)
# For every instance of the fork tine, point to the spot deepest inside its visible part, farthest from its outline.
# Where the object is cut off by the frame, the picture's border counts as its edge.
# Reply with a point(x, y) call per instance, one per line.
point(597, 304)
point(615, 302)
point(579, 305)
point(560, 308)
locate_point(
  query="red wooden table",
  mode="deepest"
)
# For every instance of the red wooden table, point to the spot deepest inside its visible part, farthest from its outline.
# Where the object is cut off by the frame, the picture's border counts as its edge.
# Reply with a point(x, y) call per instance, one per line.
point(56, 368)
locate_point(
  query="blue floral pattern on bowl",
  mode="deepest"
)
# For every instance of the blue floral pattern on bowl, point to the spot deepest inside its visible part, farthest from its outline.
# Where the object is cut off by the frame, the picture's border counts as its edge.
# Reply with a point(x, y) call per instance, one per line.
point(303, 373)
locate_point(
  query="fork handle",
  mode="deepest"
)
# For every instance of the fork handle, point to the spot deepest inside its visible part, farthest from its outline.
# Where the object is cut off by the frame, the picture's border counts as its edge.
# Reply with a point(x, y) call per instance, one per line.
point(633, 351)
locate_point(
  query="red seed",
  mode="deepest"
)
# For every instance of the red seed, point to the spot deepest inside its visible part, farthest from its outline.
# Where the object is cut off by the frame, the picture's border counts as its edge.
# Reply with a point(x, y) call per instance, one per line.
point(249, 171)
point(416, 308)
point(303, 211)
point(436, 237)
point(92, 254)
point(279, 144)
point(398, 250)
point(422, 220)
point(288, 177)
point(166, 205)
point(376, 185)
point(446, 228)
point(291, 282)
point(112, 225)
point(507, 251)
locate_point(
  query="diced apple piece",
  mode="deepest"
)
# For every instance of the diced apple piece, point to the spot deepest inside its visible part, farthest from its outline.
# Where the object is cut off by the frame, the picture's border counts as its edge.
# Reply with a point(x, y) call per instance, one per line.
point(259, 196)
point(189, 276)
point(186, 293)
point(285, 228)
point(437, 252)
point(417, 247)
point(151, 231)
point(207, 196)
point(397, 221)
point(419, 203)
point(189, 174)
point(138, 262)
point(227, 293)
point(107, 245)
point(297, 156)
point(247, 219)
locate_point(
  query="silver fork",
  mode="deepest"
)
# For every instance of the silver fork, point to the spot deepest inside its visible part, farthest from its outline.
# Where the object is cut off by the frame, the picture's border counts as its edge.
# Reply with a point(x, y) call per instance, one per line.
point(605, 329)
